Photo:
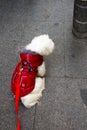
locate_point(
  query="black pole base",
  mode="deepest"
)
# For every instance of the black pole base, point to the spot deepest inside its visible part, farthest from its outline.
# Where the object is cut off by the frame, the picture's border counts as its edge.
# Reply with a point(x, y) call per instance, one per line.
point(79, 34)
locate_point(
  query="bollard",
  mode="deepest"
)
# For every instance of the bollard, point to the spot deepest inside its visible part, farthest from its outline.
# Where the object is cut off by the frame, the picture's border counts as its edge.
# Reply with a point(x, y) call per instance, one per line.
point(80, 19)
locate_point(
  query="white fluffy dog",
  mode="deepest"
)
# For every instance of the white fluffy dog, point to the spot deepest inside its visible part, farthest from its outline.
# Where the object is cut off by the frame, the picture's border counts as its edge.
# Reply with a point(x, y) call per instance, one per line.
point(44, 46)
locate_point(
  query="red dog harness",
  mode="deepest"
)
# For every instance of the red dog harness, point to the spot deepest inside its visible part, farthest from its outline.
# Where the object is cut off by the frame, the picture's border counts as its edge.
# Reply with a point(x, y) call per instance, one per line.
point(23, 78)
point(28, 67)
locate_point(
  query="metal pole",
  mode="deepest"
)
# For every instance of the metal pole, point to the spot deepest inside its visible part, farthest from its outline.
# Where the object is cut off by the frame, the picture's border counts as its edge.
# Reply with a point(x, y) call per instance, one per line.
point(80, 19)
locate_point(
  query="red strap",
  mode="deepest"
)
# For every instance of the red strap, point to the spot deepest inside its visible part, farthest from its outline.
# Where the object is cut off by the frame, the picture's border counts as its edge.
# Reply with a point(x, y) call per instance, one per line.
point(18, 125)
point(17, 97)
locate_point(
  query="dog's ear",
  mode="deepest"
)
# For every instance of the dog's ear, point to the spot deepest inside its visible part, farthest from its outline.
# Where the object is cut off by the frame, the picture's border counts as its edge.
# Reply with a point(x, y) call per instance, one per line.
point(42, 45)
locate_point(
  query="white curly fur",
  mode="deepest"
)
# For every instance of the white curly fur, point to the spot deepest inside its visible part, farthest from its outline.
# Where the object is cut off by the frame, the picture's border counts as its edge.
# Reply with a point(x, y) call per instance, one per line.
point(44, 46)
point(42, 69)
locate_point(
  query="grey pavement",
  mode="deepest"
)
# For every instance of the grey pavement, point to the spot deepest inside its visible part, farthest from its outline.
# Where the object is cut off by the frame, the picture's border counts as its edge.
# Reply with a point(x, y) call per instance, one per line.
point(64, 101)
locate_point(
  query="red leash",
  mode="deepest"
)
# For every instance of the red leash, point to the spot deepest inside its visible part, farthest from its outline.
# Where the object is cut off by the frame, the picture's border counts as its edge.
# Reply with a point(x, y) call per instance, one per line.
point(17, 98)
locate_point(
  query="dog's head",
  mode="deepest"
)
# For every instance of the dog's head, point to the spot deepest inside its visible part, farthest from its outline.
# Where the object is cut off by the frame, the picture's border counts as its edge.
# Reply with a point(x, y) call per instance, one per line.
point(42, 45)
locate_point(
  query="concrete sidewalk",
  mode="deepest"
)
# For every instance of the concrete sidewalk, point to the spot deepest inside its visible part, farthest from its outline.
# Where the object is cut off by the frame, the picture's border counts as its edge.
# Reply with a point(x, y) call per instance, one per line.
point(65, 97)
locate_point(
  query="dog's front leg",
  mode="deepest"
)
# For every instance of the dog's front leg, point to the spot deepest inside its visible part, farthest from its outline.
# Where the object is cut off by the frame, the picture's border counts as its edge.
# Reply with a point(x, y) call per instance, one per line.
point(41, 70)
